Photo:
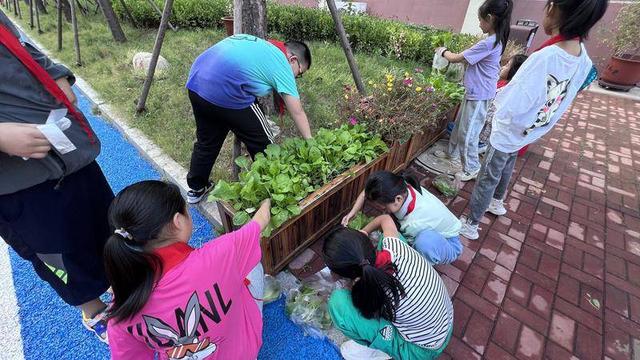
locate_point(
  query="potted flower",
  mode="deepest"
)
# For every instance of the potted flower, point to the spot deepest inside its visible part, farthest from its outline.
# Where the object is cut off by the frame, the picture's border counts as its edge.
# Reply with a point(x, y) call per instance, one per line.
point(227, 20)
point(623, 69)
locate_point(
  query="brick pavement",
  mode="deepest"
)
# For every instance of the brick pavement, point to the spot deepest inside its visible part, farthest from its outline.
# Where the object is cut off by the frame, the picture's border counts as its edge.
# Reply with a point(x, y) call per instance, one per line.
point(558, 277)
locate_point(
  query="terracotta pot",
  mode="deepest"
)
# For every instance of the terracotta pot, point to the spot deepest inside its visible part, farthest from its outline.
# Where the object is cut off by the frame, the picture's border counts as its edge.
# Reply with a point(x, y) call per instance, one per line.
point(228, 24)
point(621, 73)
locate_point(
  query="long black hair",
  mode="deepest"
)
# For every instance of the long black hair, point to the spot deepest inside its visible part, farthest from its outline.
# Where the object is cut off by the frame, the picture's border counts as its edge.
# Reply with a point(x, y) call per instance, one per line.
point(501, 12)
point(579, 16)
point(138, 214)
point(383, 186)
point(516, 61)
point(350, 254)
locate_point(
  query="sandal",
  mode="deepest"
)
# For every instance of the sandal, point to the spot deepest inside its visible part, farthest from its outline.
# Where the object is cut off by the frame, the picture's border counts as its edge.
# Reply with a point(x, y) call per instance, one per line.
point(97, 324)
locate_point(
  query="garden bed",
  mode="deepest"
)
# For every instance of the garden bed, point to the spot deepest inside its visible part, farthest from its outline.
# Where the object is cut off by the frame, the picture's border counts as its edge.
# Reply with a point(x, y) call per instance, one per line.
point(323, 209)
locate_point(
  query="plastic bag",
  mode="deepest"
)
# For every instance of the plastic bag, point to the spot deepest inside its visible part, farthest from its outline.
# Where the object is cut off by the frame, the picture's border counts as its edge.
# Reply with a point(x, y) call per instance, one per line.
point(445, 185)
point(272, 289)
point(439, 62)
point(306, 304)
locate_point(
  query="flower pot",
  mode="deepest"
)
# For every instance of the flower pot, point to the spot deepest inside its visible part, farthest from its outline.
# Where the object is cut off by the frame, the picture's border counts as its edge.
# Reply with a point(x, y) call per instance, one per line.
point(228, 24)
point(621, 73)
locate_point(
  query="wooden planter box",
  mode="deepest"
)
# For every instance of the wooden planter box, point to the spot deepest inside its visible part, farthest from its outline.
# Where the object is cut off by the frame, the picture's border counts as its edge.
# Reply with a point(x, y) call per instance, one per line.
point(324, 208)
point(321, 211)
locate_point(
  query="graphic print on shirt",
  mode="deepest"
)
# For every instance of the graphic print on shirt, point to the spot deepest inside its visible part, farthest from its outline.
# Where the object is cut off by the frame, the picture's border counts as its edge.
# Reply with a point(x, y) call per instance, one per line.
point(188, 347)
point(556, 92)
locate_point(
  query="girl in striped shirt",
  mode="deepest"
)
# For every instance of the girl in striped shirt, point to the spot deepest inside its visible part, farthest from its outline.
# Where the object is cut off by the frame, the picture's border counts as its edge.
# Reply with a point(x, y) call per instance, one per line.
point(398, 306)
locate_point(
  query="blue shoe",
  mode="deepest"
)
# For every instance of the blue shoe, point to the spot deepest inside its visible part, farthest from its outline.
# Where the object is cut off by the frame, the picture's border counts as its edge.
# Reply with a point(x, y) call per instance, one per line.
point(450, 127)
point(482, 148)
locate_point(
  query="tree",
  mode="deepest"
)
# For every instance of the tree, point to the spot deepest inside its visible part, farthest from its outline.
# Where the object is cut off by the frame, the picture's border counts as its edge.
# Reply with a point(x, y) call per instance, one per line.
point(112, 21)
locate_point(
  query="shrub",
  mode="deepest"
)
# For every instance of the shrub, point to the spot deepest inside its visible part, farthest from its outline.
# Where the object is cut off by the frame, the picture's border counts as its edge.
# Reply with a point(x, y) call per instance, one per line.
point(366, 33)
point(400, 106)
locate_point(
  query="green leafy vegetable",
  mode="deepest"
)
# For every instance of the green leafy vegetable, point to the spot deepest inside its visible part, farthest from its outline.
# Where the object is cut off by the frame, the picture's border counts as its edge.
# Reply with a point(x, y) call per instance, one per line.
point(359, 221)
point(287, 173)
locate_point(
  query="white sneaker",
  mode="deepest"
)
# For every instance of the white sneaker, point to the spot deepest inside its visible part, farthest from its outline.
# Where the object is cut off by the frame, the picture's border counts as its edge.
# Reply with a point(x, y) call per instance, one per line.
point(497, 207)
point(467, 176)
point(351, 350)
point(469, 231)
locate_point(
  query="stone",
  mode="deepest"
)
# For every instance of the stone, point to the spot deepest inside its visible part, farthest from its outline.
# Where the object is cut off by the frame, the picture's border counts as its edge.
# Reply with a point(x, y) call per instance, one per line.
point(141, 62)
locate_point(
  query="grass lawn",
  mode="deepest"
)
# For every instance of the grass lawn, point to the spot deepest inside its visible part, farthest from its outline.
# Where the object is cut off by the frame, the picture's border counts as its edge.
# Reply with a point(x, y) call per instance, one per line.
point(169, 120)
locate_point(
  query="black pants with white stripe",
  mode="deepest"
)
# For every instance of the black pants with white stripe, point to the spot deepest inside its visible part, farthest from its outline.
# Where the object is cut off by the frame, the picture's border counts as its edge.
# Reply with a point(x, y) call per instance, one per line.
point(213, 123)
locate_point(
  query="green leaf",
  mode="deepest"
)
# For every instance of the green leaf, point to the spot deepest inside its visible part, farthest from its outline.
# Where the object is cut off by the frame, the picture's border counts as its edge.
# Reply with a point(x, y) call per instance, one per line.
point(294, 210)
point(242, 162)
point(241, 218)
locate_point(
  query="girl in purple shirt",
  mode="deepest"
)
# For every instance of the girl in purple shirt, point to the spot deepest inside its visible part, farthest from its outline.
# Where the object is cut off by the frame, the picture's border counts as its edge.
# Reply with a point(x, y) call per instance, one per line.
point(480, 79)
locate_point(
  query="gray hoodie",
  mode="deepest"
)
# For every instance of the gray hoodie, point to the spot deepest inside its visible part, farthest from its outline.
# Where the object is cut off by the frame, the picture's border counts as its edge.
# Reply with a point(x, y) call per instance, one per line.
point(23, 99)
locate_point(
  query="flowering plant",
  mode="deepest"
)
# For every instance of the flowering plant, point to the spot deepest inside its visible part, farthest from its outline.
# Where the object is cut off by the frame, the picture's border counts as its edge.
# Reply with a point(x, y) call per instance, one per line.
point(400, 105)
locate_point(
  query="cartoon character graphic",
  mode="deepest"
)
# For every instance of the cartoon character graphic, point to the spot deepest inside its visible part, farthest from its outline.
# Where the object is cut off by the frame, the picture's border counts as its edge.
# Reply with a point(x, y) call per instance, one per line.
point(188, 347)
point(556, 92)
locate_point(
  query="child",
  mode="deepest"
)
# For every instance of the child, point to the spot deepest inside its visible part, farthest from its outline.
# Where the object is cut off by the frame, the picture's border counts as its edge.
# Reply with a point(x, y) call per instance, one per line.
point(423, 219)
point(480, 83)
point(174, 300)
point(535, 99)
point(398, 306)
point(506, 74)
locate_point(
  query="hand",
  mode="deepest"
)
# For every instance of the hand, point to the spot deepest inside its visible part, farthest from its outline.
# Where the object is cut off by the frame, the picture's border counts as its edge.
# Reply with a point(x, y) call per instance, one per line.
point(23, 140)
point(440, 51)
point(266, 202)
point(346, 219)
point(364, 232)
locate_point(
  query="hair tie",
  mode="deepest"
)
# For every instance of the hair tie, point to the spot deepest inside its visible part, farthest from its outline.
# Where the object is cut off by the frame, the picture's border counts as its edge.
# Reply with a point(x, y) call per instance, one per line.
point(122, 232)
point(364, 262)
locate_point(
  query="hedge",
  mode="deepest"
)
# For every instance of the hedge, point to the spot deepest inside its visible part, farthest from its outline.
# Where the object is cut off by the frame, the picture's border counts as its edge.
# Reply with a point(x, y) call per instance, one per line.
point(366, 33)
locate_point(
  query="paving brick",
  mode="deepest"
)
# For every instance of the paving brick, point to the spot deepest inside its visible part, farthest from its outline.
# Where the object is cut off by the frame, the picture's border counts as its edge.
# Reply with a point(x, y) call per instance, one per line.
point(594, 266)
point(531, 344)
point(554, 351)
point(495, 289)
point(530, 256)
point(507, 257)
point(634, 269)
point(622, 323)
point(536, 277)
point(475, 278)
point(549, 266)
point(525, 316)
point(496, 269)
point(451, 271)
point(519, 289)
point(615, 265)
point(506, 331)
point(617, 300)
point(582, 276)
point(583, 246)
point(586, 318)
point(490, 247)
point(569, 289)
point(462, 315)
point(541, 301)
point(623, 285)
point(617, 343)
point(634, 308)
point(495, 352)
point(477, 303)
point(573, 256)
point(562, 330)
point(459, 350)
point(588, 344)
point(478, 332)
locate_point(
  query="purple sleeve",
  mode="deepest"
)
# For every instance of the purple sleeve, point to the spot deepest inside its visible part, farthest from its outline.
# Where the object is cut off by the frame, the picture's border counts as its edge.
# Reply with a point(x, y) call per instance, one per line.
point(477, 52)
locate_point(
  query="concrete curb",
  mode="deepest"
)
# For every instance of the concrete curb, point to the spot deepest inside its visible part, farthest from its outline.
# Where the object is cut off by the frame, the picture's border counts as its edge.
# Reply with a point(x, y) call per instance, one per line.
point(168, 167)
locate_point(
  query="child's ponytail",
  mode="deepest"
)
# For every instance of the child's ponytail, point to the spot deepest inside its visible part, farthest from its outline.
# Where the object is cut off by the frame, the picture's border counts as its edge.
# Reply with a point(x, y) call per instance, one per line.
point(139, 214)
point(377, 293)
point(500, 10)
point(578, 16)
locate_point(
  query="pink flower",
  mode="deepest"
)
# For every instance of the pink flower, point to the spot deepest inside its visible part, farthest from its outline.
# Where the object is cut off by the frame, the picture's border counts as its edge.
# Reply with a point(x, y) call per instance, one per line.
point(408, 81)
point(430, 89)
point(418, 70)
point(353, 120)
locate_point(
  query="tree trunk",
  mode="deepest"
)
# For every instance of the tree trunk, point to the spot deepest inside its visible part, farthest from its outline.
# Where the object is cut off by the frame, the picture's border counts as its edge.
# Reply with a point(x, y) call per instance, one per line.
point(153, 5)
point(112, 21)
point(32, 24)
point(59, 23)
point(17, 9)
point(250, 17)
point(164, 21)
point(42, 8)
point(76, 37)
point(38, 18)
point(346, 46)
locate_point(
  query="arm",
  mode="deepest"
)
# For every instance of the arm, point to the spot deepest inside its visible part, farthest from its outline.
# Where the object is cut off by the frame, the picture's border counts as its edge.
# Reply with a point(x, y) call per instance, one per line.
point(64, 84)
point(263, 215)
point(453, 57)
point(357, 206)
point(23, 140)
point(384, 222)
point(297, 113)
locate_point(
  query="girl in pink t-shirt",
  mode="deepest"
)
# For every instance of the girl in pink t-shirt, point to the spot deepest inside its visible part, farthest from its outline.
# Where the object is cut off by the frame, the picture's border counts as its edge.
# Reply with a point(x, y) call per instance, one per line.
point(171, 299)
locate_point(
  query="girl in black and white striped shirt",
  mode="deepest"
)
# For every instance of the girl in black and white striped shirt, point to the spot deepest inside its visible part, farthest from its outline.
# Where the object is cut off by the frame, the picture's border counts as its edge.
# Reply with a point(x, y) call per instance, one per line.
point(398, 306)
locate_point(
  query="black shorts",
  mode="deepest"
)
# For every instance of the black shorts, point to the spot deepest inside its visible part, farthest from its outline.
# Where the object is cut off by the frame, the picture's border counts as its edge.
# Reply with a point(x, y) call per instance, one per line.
point(62, 232)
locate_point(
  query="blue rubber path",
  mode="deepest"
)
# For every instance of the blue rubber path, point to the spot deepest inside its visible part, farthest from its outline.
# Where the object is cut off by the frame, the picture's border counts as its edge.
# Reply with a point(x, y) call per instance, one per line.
point(52, 330)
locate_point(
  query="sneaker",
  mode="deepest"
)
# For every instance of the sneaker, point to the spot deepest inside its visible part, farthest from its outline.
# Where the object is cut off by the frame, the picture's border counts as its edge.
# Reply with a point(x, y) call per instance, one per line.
point(467, 176)
point(194, 196)
point(97, 324)
point(482, 148)
point(468, 230)
point(455, 166)
point(497, 207)
point(351, 350)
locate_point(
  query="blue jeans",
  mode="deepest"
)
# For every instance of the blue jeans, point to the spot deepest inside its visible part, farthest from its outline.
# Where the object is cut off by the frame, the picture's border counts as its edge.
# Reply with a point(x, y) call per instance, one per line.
point(436, 248)
point(463, 143)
